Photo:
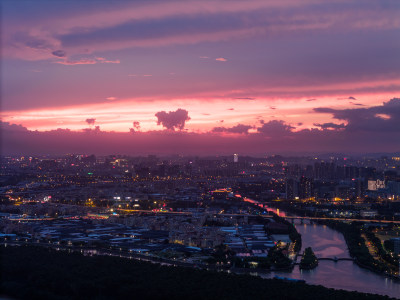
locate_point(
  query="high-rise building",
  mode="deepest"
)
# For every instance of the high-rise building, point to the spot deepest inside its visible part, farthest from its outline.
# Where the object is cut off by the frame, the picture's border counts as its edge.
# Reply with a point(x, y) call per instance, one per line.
point(235, 158)
point(292, 189)
point(306, 188)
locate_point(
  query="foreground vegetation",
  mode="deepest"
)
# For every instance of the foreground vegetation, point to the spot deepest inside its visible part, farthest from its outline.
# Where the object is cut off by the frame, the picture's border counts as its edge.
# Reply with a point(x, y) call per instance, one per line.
point(276, 259)
point(39, 273)
point(309, 260)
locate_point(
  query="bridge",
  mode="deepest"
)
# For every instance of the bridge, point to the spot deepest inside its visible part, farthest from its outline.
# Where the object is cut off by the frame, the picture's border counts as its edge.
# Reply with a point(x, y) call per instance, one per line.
point(264, 216)
point(340, 219)
point(290, 218)
point(335, 259)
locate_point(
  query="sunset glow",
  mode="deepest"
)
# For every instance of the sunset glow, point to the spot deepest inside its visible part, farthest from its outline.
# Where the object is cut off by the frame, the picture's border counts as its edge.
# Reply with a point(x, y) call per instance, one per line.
point(232, 66)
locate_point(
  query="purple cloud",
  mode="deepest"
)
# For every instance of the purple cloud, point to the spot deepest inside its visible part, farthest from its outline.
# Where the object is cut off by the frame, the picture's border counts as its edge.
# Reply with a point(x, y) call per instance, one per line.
point(6, 126)
point(276, 128)
point(357, 104)
point(77, 62)
point(136, 127)
point(59, 53)
point(347, 98)
point(87, 61)
point(95, 130)
point(385, 118)
point(330, 126)
point(173, 119)
point(90, 121)
point(240, 128)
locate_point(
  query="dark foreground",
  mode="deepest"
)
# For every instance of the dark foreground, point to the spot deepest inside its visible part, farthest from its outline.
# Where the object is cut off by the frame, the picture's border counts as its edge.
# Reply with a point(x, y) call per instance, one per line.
point(37, 273)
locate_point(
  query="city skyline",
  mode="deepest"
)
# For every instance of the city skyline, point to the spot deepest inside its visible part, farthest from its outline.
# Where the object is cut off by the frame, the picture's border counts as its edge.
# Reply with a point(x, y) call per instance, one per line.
point(200, 77)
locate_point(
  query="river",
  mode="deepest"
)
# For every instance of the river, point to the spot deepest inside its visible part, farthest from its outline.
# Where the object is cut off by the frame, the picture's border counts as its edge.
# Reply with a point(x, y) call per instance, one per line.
point(345, 275)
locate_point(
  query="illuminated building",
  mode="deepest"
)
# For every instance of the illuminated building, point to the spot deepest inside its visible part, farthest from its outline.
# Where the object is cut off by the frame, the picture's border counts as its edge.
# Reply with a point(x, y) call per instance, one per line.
point(374, 185)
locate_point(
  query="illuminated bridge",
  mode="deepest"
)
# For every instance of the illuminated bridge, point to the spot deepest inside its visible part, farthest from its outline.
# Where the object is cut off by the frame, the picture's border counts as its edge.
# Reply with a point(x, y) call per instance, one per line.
point(264, 216)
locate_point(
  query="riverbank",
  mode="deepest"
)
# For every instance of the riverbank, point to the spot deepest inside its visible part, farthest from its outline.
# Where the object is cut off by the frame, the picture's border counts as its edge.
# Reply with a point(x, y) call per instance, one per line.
point(355, 243)
point(358, 250)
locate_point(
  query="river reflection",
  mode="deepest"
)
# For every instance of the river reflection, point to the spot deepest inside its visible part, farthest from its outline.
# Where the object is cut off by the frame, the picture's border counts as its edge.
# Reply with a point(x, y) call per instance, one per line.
point(324, 241)
point(339, 275)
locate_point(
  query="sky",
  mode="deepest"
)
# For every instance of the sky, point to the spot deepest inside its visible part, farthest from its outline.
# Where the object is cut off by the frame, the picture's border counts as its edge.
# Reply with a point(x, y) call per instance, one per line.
point(200, 77)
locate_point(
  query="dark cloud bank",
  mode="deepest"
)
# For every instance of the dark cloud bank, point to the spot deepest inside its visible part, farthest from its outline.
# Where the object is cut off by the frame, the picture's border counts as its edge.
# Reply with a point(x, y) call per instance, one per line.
point(240, 128)
point(359, 130)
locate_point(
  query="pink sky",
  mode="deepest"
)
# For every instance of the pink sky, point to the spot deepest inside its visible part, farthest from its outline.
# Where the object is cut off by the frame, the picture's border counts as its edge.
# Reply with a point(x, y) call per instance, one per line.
point(313, 65)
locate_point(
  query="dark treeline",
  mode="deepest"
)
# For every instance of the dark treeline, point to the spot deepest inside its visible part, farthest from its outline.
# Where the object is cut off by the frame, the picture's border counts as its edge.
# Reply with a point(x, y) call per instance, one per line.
point(309, 260)
point(39, 273)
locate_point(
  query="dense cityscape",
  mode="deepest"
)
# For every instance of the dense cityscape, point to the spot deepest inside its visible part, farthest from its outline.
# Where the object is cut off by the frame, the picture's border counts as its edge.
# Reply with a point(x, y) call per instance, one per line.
point(235, 214)
point(202, 149)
